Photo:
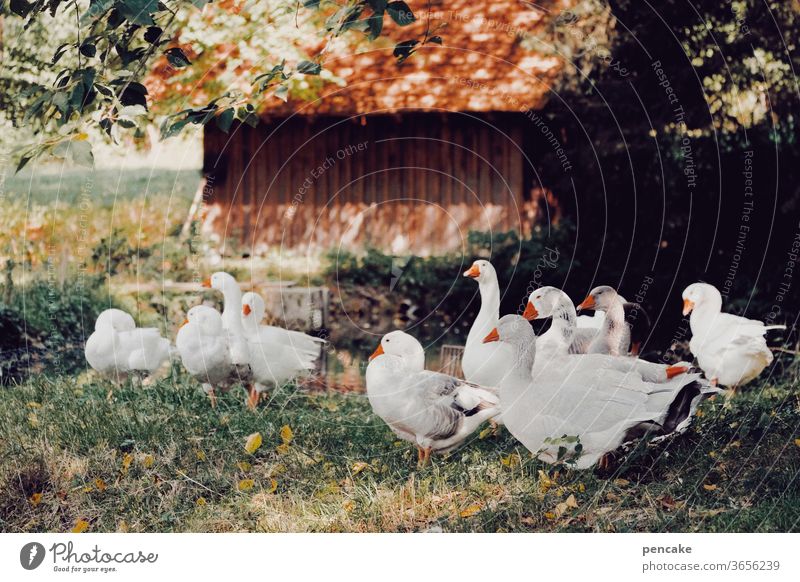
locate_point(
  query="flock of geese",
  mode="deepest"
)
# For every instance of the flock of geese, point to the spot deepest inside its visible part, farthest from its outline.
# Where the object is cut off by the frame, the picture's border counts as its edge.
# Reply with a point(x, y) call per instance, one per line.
point(575, 393)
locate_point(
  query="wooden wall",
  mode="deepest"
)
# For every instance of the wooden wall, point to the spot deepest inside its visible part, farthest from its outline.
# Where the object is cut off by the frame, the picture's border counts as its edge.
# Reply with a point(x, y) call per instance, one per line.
point(407, 184)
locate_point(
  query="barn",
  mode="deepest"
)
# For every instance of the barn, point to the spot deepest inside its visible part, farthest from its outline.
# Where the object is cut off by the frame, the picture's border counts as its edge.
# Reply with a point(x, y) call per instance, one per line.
point(405, 157)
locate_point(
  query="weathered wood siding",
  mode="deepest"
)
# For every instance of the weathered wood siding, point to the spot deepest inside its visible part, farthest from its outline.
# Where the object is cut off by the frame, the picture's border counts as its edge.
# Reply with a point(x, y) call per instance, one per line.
point(412, 183)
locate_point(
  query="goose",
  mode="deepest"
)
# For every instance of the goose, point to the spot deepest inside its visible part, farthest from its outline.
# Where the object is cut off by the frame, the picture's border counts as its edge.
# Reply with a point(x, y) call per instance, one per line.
point(232, 323)
point(731, 350)
point(204, 349)
point(276, 355)
point(564, 337)
point(117, 348)
point(434, 411)
point(598, 407)
point(614, 336)
point(484, 364)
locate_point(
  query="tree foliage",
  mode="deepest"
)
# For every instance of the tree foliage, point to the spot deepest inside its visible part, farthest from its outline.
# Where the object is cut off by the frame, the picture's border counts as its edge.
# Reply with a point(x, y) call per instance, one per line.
point(73, 66)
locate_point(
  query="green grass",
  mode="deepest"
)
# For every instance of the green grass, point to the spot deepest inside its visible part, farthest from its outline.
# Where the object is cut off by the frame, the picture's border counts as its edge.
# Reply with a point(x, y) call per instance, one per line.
point(157, 458)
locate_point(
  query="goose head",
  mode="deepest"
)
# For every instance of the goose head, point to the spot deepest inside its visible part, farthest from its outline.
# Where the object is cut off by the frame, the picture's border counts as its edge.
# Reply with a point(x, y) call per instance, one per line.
point(512, 329)
point(221, 281)
point(482, 271)
point(698, 294)
point(253, 307)
point(541, 303)
point(600, 299)
point(399, 343)
point(115, 319)
point(206, 318)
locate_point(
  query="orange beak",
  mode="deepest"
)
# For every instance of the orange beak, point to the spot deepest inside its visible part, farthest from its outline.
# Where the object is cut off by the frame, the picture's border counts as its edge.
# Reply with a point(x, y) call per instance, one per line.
point(530, 312)
point(377, 353)
point(185, 321)
point(246, 309)
point(473, 272)
point(588, 303)
point(206, 283)
point(492, 337)
point(687, 306)
point(673, 371)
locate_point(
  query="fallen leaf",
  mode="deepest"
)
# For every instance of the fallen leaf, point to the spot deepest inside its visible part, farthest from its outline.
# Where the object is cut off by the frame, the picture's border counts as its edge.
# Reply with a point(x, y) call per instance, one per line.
point(122, 527)
point(797, 442)
point(100, 484)
point(33, 420)
point(470, 511)
point(126, 462)
point(34, 405)
point(511, 460)
point(253, 442)
point(571, 501)
point(201, 501)
point(148, 461)
point(246, 484)
point(545, 482)
point(80, 526)
point(550, 515)
point(244, 466)
point(485, 433)
point(282, 449)
point(621, 482)
point(273, 486)
point(201, 455)
point(286, 434)
point(36, 499)
point(359, 466)
point(708, 487)
point(348, 505)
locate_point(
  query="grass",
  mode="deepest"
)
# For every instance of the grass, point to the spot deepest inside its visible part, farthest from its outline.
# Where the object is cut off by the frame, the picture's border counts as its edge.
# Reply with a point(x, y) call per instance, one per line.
point(157, 458)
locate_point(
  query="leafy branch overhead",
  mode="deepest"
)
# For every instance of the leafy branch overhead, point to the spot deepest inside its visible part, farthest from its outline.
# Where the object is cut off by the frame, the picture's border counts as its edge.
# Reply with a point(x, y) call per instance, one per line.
point(93, 81)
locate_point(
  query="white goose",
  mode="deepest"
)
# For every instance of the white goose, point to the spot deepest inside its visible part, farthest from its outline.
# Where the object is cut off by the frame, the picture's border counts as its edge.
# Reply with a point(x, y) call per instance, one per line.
point(434, 411)
point(483, 364)
point(231, 319)
point(204, 350)
point(276, 355)
point(614, 336)
point(565, 338)
point(731, 350)
point(117, 348)
point(601, 407)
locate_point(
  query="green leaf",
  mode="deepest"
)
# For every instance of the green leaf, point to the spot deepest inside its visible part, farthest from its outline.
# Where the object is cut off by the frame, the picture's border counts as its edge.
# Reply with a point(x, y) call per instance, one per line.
point(82, 153)
point(375, 25)
point(21, 8)
point(88, 49)
point(138, 11)
point(153, 34)
point(177, 58)
point(401, 13)
point(282, 93)
point(96, 10)
point(225, 119)
point(404, 49)
point(309, 68)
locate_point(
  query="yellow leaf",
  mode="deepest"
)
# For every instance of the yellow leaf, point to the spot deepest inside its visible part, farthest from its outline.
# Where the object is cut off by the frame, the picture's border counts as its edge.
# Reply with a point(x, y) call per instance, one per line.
point(470, 511)
point(359, 466)
point(581, 487)
point(571, 502)
point(545, 483)
point(148, 461)
point(550, 515)
point(100, 484)
point(80, 526)
point(36, 499)
point(33, 420)
point(246, 484)
point(286, 434)
point(348, 505)
point(122, 527)
point(244, 466)
point(82, 136)
point(797, 442)
point(511, 460)
point(709, 487)
point(621, 482)
point(201, 456)
point(698, 412)
point(34, 405)
point(485, 432)
point(201, 501)
point(253, 442)
point(126, 462)
point(273, 486)
point(282, 449)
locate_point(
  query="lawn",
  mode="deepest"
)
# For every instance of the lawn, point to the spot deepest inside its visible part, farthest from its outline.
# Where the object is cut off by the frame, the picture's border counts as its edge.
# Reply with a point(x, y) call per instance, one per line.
point(76, 454)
